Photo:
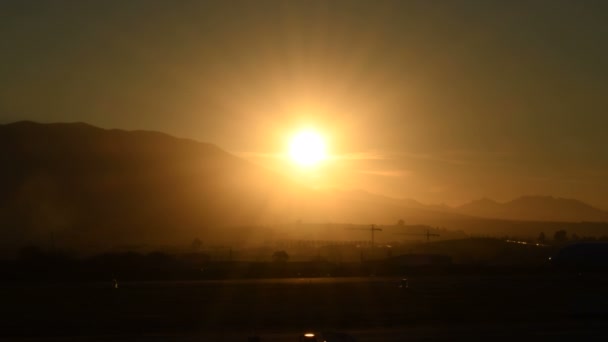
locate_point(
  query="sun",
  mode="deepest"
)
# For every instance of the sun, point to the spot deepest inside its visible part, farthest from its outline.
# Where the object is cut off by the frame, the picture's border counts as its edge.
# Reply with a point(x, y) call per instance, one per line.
point(307, 148)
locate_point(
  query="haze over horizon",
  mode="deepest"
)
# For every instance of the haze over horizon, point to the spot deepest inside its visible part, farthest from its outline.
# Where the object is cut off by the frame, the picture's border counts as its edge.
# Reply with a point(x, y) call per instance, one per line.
point(445, 102)
point(20, 140)
point(87, 189)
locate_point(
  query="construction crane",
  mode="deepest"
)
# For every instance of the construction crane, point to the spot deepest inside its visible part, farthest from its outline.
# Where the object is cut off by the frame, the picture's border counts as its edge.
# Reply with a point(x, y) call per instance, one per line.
point(372, 229)
point(428, 234)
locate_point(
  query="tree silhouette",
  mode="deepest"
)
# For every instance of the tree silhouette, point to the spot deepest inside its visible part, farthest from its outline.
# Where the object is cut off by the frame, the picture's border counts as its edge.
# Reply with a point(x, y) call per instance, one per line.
point(560, 236)
point(542, 238)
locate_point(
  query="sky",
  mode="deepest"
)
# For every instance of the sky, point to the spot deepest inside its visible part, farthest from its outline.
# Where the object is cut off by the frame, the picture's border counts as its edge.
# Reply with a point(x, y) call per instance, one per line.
point(439, 101)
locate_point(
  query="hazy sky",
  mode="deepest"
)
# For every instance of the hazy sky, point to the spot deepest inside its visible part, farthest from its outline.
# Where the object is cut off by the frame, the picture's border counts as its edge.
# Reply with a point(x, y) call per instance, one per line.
point(441, 101)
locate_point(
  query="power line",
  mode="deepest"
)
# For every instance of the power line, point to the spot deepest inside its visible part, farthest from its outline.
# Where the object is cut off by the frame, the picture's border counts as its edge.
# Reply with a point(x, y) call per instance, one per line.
point(372, 229)
point(428, 234)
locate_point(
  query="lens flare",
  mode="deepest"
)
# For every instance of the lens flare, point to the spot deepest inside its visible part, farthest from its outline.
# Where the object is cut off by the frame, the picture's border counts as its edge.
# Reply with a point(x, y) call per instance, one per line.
point(307, 148)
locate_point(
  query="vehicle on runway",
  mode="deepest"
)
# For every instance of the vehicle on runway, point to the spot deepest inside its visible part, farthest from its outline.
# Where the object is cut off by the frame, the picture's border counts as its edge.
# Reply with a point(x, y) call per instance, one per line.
point(326, 337)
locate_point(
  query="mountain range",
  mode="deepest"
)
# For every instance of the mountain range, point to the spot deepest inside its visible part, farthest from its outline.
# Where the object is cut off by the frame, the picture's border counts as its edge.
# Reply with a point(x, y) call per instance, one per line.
point(535, 208)
point(77, 185)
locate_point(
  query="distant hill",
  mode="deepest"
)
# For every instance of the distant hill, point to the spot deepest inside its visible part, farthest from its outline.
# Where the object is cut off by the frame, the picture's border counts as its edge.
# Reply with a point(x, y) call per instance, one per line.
point(535, 208)
point(80, 187)
point(78, 182)
point(72, 184)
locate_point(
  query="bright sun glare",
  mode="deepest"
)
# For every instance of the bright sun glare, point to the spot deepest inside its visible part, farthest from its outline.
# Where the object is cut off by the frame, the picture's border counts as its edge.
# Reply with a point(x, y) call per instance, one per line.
point(307, 148)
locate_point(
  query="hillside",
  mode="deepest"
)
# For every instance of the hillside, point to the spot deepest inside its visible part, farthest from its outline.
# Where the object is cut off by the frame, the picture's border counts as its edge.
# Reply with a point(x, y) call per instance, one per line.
point(88, 189)
point(75, 181)
point(535, 208)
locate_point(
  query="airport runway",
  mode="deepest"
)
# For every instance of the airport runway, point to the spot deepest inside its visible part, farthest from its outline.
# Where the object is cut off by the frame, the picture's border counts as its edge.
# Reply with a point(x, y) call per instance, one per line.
point(440, 308)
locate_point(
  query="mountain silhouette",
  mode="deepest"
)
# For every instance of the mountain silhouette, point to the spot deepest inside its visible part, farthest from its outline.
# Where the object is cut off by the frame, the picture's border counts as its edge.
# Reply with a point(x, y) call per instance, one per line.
point(535, 208)
point(76, 180)
point(89, 189)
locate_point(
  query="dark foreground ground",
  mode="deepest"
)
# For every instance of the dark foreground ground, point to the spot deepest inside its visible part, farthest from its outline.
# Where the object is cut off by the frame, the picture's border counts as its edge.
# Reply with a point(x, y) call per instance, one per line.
point(437, 308)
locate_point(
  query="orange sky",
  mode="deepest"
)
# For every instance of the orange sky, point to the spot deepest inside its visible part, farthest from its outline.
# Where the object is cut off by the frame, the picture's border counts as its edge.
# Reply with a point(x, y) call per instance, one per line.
point(437, 101)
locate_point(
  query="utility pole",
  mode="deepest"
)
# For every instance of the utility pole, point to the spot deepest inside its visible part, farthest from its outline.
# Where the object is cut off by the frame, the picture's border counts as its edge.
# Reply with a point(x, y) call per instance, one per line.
point(372, 229)
point(428, 234)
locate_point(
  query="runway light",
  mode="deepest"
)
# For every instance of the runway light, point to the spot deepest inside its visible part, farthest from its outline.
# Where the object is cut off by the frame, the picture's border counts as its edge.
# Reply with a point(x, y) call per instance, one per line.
point(309, 335)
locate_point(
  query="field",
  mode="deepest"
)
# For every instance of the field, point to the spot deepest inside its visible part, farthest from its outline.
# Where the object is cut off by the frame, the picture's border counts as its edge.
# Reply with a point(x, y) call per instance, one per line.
point(371, 309)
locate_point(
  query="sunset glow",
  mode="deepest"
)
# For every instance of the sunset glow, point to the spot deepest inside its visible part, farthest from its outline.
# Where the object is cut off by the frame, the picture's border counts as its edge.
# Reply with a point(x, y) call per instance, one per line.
point(284, 170)
point(307, 148)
